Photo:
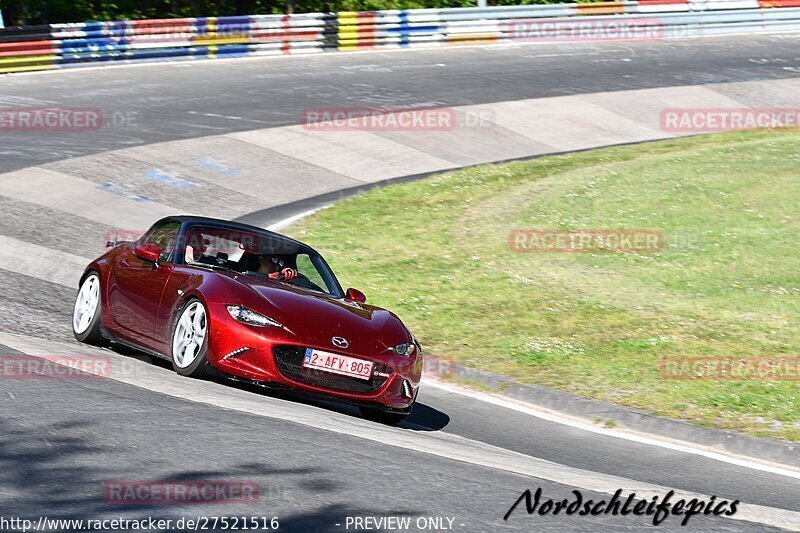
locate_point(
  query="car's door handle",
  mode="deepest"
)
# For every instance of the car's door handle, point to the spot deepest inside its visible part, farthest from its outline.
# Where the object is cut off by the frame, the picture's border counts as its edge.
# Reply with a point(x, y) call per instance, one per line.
point(124, 263)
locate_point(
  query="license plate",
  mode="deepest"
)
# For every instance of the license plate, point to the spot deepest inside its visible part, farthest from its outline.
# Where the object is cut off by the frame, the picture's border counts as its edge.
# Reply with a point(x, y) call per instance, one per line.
point(337, 364)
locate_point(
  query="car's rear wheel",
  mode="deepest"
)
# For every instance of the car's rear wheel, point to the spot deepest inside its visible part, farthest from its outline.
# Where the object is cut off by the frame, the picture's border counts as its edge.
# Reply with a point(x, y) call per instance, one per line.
point(190, 340)
point(86, 314)
point(384, 417)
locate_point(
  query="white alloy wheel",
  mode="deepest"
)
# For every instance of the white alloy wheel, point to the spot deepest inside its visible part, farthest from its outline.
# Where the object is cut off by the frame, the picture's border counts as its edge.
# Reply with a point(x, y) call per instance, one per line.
point(189, 335)
point(86, 304)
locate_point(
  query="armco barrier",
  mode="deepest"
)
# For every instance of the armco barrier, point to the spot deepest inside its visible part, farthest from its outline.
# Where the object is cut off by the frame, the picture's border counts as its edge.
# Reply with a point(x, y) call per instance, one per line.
point(70, 45)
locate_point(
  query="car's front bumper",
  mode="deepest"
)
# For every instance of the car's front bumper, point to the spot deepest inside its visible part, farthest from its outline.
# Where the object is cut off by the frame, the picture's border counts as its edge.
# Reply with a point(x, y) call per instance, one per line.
point(249, 353)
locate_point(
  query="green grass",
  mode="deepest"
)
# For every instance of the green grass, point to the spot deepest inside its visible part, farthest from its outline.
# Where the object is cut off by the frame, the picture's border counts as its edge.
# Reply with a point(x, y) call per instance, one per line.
point(727, 283)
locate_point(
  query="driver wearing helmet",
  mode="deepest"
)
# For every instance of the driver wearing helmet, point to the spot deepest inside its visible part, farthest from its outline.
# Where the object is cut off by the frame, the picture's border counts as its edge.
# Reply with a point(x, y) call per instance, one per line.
point(273, 267)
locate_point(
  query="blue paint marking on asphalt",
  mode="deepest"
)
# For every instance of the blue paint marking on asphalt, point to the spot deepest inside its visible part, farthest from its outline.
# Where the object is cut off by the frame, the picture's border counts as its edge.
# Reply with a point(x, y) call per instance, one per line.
point(171, 179)
point(217, 166)
point(119, 191)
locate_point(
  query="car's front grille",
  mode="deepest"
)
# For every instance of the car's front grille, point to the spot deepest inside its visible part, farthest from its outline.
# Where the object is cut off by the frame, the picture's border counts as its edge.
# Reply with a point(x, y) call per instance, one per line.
point(290, 363)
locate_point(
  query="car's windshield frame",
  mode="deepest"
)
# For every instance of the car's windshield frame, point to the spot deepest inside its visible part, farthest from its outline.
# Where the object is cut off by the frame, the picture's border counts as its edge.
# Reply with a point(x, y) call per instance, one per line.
point(323, 269)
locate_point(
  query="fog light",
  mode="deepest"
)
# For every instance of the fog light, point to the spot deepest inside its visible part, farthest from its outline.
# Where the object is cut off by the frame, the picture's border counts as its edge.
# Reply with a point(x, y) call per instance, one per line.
point(235, 353)
point(408, 392)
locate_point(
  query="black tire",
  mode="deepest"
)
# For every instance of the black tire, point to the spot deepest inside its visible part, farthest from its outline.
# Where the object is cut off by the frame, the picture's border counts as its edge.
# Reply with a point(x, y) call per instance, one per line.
point(92, 334)
point(199, 367)
point(384, 417)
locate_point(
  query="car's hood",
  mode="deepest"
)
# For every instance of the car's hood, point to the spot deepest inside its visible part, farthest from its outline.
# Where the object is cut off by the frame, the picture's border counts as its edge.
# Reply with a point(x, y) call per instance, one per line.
point(315, 318)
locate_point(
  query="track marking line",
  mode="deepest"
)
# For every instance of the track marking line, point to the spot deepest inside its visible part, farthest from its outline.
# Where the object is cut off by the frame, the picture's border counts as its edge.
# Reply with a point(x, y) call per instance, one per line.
point(41, 262)
point(639, 438)
point(286, 222)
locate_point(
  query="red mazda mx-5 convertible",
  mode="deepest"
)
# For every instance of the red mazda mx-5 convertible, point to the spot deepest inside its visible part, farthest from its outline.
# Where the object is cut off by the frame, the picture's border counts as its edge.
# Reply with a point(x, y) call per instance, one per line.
point(255, 306)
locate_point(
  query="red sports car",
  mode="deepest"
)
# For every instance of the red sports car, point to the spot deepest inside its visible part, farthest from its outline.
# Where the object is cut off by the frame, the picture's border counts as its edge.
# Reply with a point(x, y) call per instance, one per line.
point(255, 306)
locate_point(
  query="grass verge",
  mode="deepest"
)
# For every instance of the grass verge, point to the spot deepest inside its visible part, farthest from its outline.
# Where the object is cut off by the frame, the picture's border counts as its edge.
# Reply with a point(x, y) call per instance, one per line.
point(725, 283)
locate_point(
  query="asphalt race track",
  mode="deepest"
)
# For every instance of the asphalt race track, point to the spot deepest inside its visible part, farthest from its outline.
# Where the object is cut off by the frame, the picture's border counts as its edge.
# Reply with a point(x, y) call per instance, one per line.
point(317, 463)
point(195, 99)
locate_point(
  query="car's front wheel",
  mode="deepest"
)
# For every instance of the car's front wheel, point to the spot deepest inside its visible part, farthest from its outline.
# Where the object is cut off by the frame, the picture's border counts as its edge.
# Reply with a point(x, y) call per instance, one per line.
point(86, 314)
point(190, 340)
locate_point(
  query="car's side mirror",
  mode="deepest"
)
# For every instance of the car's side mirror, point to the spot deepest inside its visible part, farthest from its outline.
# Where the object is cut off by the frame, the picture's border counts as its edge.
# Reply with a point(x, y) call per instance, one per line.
point(147, 252)
point(355, 295)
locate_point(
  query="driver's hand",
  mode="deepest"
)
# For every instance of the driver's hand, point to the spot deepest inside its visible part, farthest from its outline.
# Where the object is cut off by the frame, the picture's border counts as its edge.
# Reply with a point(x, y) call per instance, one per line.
point(287, 273)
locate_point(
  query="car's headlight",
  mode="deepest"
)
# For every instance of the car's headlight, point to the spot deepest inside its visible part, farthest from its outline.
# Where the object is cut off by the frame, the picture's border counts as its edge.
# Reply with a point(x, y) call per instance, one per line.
point(250, 317)
point(407, 349)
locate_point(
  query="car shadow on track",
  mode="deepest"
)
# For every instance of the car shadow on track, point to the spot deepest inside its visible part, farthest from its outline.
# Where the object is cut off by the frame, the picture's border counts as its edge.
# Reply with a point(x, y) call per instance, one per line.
point(423, 417)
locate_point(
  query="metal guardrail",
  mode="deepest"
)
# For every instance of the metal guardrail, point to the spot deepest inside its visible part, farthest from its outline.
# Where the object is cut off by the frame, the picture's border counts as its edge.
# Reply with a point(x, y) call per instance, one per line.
point(72, 45)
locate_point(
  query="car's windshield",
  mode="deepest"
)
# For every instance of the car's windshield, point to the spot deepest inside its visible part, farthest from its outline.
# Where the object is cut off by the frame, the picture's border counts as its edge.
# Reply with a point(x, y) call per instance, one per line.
point(258, 254)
